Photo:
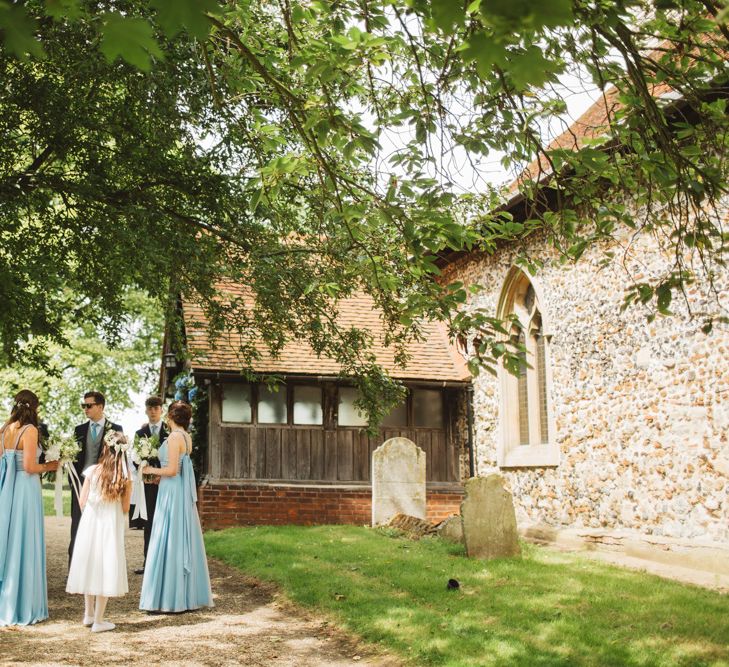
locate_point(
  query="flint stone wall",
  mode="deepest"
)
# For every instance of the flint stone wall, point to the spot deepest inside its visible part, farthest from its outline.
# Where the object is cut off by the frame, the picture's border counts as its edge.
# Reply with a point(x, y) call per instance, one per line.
point(641, 409)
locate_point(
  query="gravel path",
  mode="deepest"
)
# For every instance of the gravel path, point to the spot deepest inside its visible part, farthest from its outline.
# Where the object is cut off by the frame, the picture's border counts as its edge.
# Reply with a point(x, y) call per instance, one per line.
point(248, 626)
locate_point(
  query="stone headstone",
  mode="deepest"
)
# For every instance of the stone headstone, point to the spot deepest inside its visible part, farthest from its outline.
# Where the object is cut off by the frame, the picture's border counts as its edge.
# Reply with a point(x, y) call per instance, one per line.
point(452, 529)
point(489, 520)
point(398, 480)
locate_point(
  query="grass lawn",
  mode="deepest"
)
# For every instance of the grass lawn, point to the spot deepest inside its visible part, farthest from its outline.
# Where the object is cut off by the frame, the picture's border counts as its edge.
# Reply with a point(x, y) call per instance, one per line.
point(544, 609)
point(48, 495)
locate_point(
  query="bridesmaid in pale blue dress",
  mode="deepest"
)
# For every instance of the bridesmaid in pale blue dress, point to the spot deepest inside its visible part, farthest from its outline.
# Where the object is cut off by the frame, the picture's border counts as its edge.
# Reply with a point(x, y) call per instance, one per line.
point(176, 571)
point(23, 592)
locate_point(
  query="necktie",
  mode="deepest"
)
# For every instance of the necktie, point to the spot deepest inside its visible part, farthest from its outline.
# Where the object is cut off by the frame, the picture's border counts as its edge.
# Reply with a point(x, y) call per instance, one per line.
point(94, 430)
point(155, 429)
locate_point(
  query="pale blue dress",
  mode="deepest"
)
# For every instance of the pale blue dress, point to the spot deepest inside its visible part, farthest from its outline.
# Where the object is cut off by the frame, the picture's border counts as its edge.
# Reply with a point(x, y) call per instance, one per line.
point(176, 571)
point(23, 591)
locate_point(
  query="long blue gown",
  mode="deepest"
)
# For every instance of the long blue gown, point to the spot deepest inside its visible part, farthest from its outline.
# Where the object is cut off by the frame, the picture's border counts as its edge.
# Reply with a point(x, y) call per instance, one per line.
point(176, 571)
point(23, 591)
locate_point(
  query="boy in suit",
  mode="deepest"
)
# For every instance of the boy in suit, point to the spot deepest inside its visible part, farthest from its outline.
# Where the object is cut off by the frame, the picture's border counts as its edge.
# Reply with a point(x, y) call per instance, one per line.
point(154, 426)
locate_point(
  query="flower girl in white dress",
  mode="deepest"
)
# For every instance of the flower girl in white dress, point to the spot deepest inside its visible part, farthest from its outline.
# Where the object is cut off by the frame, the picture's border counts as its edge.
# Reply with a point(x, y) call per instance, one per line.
point(98, 565)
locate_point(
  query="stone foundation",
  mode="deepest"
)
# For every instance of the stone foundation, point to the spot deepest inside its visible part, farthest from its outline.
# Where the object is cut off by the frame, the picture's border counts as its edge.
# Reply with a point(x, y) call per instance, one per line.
point(223, 504)
point(678, 557)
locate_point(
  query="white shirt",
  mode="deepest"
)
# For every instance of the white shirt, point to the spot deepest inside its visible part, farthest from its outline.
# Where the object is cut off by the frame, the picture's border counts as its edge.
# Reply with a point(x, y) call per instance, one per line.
point(155, 428)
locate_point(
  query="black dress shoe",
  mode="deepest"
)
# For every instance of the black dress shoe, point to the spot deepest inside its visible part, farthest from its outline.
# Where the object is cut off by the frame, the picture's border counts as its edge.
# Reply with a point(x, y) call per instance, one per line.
point(139, 571)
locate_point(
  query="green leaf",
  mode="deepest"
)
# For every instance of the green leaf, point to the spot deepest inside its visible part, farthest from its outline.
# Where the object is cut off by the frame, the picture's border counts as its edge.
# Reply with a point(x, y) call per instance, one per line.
point(189, 15)
point(553, 13)
point(17, 32)
point(507, 10)
point(533, 13)
point(663, 299)
point(530, 68)
point(129, 38)
point(255, 199)
point(297, 14)
point(485, 51)
point(447, 14)
point(64, 9)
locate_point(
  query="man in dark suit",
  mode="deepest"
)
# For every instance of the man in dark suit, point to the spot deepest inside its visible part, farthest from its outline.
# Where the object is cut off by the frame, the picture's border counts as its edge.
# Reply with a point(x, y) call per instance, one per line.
point(90, 436)
point(43, 437)
point(154, 426)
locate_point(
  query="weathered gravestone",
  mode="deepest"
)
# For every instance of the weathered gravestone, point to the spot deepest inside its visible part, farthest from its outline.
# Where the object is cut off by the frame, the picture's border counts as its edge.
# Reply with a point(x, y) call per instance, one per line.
point(489, 520)
point(452, 529)
point(398, 480)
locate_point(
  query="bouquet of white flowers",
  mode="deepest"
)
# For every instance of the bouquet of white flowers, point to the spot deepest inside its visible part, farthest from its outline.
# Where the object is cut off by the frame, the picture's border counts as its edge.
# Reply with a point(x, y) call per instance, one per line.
point(64, 449)
point(145, 448)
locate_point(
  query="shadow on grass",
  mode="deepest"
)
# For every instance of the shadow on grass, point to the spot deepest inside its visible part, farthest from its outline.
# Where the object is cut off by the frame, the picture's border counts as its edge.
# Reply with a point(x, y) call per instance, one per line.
point(543, 609)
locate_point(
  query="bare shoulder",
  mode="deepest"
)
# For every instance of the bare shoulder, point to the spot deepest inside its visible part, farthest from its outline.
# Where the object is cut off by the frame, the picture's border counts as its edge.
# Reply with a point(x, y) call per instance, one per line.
point(29, 437)
point(177, 439)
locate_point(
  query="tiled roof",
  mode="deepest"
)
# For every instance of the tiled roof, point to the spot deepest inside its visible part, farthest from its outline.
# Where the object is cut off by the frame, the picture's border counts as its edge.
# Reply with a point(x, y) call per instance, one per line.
point(594, 123)
point(433, 359)
point(591, 124)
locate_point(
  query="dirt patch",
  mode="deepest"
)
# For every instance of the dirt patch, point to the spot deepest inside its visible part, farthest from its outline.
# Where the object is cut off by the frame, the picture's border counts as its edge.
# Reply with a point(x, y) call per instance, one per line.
point(248, 625)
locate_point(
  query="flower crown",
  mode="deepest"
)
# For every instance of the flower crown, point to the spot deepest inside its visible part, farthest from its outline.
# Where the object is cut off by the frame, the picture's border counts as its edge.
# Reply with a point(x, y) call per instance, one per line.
point(22, 404)
point(116, 441)
point(119, 444)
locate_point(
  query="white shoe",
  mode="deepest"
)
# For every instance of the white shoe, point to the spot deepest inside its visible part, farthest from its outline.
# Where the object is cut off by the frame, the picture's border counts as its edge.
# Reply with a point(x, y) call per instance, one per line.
point(104, 626)
point(88, 621)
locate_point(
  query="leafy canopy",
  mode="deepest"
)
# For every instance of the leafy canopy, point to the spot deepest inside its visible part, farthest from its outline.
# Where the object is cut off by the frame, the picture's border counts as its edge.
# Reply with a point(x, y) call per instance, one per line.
point(86, 362)
point(306, 149)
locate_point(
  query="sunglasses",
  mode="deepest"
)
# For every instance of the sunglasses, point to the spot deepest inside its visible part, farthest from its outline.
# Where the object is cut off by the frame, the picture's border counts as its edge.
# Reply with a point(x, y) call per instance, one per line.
point(87, 406)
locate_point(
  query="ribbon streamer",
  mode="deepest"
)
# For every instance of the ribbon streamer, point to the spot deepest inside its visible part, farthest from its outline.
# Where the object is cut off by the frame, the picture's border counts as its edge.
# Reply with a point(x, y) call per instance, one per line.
point(138, 499)
point(58, 493)
point(7, 487)
point(73, 478)
point(188, 482)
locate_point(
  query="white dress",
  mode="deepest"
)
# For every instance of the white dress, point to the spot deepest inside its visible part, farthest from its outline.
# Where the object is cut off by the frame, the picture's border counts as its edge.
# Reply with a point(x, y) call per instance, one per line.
point(99, 564)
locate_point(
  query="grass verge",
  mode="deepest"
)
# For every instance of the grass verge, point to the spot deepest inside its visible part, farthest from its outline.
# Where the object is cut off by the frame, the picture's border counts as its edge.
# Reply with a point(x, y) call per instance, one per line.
point(546, 608)
point(48, 490)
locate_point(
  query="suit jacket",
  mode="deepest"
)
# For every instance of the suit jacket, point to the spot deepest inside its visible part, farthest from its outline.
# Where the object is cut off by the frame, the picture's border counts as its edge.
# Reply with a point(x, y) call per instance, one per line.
point(163, 433)
point(80, 433)
point(43, 437)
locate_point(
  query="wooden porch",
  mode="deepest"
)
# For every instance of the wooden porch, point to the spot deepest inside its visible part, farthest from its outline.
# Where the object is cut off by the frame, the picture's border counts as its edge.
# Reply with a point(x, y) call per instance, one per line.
point(322, 453)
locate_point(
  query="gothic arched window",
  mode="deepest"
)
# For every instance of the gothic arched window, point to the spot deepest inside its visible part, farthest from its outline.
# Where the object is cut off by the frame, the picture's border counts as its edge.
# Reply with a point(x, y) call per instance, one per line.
point(525, 411)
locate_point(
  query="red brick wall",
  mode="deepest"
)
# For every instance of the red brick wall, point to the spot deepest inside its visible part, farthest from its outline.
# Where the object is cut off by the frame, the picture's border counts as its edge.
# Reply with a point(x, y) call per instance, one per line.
point(225, 505)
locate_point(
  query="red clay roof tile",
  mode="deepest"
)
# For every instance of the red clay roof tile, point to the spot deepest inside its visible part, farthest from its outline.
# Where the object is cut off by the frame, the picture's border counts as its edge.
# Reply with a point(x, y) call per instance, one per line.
point(433, 358)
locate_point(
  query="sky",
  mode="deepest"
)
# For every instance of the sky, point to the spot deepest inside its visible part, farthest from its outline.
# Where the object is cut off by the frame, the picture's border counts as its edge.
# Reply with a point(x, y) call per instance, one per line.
point(133, 418)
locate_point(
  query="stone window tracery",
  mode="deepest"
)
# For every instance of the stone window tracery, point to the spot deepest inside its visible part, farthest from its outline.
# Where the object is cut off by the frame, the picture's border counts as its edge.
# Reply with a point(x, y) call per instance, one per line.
point(527, 437)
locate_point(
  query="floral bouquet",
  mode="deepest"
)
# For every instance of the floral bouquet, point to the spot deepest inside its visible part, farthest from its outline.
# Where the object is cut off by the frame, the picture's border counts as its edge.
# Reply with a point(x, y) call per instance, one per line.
point(64, 449)
point(145, 447)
